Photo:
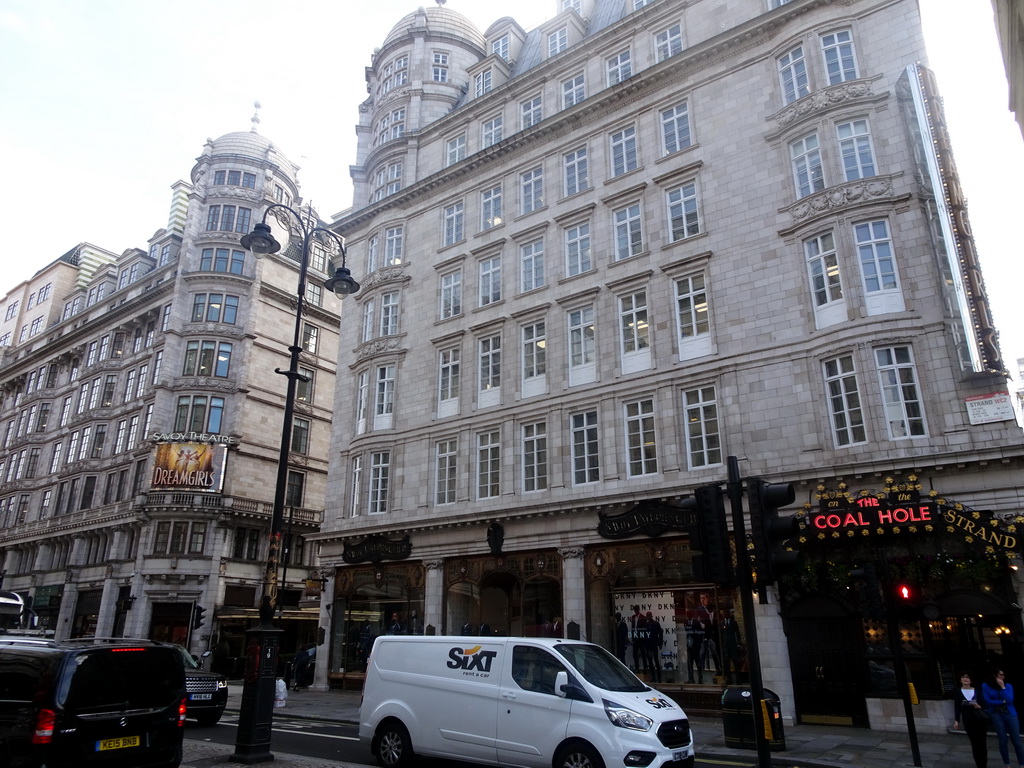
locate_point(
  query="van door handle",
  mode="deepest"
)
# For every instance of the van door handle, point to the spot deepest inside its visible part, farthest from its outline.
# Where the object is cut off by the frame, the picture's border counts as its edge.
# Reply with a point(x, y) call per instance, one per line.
point(509, 695)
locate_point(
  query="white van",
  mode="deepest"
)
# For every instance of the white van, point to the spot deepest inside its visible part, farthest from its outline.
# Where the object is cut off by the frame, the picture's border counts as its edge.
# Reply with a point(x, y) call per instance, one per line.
point(516, 701)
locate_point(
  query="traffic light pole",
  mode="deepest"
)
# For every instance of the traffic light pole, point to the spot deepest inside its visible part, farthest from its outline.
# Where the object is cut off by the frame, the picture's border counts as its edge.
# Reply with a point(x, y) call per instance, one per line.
point(892, 627)
point(746, 586)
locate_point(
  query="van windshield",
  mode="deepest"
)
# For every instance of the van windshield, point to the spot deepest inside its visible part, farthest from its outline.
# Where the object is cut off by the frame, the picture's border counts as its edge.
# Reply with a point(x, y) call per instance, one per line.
point(113, 680)
point(600, 668)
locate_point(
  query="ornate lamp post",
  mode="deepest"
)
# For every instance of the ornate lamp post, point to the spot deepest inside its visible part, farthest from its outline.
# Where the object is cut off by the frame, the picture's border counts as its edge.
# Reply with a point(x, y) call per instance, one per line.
point(252, 744)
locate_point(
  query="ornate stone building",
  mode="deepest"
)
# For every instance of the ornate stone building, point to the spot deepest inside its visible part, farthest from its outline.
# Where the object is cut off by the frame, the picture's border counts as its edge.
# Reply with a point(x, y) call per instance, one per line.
point(603, 255)
point(142, 420)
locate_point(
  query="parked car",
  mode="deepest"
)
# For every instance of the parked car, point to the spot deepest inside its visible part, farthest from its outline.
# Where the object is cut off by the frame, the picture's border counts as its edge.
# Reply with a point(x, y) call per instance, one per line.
point(97, 702)
point(207, 691)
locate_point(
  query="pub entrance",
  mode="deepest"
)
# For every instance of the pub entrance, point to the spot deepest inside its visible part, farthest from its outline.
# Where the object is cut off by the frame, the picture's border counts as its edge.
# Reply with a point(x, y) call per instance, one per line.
point(826, 658)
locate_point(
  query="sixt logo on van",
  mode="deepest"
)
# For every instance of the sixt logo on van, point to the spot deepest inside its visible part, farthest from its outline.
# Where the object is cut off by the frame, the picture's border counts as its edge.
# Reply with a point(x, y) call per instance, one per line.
point(472, 661)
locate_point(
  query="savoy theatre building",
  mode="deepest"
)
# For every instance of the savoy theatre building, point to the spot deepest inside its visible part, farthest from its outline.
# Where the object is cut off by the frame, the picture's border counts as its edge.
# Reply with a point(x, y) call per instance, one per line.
point(643, 239)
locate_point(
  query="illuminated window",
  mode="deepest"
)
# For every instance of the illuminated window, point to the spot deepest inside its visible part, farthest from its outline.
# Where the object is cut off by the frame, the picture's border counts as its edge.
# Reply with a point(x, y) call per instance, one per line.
point(844, 401)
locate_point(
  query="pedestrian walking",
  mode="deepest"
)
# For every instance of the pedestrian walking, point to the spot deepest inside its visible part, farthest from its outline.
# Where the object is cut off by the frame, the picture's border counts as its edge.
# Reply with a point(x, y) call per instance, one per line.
point(998, 696)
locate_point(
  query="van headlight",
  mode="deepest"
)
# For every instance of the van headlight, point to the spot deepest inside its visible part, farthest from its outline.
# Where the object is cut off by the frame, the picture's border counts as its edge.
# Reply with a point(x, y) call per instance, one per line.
point(626, 718)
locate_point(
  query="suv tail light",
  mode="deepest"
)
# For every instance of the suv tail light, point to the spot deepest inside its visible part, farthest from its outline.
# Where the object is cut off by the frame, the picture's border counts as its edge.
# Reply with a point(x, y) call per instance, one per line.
point(46, 722)
point(182, 710)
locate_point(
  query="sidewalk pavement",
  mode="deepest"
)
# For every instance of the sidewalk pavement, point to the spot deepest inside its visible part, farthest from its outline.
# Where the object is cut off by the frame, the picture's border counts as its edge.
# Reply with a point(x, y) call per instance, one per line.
point(807, 746)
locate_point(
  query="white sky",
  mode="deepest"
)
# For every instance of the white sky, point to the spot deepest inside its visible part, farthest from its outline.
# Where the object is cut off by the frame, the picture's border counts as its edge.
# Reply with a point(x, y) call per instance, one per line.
point(105, 103)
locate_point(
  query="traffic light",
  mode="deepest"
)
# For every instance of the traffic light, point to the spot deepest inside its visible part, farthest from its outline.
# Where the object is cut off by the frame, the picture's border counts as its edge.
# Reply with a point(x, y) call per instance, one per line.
point(768, 530)
point(198, 615)
point(709, 536)
point(905, 593)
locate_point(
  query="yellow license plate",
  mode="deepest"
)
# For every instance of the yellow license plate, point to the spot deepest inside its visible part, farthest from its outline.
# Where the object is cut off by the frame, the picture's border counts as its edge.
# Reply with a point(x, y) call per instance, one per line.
point(119, 743)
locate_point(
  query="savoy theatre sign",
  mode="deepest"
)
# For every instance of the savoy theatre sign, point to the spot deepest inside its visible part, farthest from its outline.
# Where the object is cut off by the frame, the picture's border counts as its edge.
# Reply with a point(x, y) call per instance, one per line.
point(900, 509)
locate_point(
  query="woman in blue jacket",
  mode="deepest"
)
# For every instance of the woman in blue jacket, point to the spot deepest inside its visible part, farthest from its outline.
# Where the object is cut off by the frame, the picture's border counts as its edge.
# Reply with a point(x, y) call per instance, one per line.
point(998, 695)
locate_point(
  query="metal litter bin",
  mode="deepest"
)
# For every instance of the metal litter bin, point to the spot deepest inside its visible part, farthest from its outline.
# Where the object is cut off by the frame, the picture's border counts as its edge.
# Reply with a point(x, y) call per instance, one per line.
point(738, 719)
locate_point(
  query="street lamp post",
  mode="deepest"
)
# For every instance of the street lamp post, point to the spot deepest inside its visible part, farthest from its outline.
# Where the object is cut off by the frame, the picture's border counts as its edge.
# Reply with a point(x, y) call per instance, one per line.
point(256, 715)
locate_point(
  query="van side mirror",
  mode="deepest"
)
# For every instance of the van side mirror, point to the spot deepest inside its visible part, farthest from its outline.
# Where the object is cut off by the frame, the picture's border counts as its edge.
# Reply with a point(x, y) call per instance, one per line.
point(562, 684)
point(567, 690)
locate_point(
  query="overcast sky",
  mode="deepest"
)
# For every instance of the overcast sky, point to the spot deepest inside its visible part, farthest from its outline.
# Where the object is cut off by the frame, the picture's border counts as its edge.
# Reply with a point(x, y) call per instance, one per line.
point(105, 103)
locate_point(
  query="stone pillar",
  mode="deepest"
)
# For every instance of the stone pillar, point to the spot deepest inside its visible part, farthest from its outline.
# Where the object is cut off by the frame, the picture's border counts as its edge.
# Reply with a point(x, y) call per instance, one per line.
point(433, 596)
point(574, 591)
point(321, 677)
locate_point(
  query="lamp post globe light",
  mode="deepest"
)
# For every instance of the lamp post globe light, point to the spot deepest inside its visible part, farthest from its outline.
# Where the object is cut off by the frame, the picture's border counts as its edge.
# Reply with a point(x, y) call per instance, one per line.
point(252, 744)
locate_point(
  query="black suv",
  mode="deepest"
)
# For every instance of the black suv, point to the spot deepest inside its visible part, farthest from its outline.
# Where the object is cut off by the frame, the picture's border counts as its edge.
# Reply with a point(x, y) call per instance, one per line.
point(91, 702)
point(207, 691)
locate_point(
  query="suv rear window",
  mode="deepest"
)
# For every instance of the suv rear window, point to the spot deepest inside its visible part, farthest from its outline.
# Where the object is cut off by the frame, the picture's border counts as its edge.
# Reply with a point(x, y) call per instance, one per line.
point(119, 678)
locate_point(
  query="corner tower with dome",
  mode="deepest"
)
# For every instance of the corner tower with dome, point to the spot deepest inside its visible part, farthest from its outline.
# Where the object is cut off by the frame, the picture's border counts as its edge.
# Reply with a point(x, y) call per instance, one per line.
point(143, 420)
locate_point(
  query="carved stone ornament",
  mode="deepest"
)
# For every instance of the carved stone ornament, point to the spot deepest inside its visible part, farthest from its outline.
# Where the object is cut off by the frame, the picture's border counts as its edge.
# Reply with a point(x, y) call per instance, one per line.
point(823, 99)
point(571, 553)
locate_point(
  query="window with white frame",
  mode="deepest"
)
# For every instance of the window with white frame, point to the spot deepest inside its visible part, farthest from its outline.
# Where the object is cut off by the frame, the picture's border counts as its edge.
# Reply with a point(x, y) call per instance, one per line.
point(499, 47)
point(878, 267)
point(530, 112)
point(373, 253)
point(634, 332)
point(446, 471)
point(310, 341)
point(369, 314)
point(575, 5)
point(628, 232)
point(380, 479)
point(641, 440)
point(793, 75)
point(455, 149)
point(488, 464)
point(693, 319)
point(483, 82)
point(683, 213)
point(448, 380)
point(577, 249)
point(586, 462)
point(825, 278)
point(638, 4)
point(855, 148)
point(575, 165)
point(808, 174)
point(356, 497)
point(618, 67)
point(394, 238)
point(582, 345)
point(489, 369)
point(491, 207)
point(314, 294)
point(623, 151)
point(439, 73)
point(451, 294)
point(531, 185)
point(901, 393)
point(362, 401)
point(491, 131)
point(453, 223)
point(534, 349)
point(384, 397)
point(490, 280)
point(844, 401)
point(558, 41)
point(389, 313)
point(669, 42)
point(535, 456)
point(700, 409)
point(304, 387)
point(840, 60)
point(531, 262)
point(573, 91)
point(675, 128)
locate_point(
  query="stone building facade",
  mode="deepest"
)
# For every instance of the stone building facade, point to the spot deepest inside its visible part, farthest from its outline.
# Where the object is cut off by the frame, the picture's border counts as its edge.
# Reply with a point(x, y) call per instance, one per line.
point(603, 255)
point(142, 420)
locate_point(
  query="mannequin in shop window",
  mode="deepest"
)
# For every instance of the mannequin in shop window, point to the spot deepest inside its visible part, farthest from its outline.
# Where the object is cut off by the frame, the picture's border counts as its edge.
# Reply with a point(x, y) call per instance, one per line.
point(694, 648)
point(731, 652)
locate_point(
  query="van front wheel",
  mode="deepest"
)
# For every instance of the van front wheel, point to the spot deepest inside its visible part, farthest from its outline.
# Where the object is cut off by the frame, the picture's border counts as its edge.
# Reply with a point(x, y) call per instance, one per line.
point(393, 747)
point(579, 755)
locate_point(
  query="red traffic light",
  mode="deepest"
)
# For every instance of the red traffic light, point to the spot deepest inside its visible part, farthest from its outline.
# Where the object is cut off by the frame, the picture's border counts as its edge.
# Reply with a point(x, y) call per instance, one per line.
point(904, 592)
